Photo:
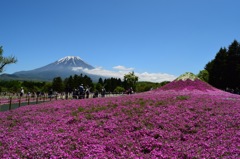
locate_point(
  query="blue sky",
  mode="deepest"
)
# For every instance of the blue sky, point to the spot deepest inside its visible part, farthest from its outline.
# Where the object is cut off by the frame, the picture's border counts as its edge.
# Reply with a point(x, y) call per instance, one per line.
point(157, 39)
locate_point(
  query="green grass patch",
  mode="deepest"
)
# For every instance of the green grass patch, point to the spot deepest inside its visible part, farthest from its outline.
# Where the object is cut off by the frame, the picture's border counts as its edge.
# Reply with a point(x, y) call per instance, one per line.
point(182, 97)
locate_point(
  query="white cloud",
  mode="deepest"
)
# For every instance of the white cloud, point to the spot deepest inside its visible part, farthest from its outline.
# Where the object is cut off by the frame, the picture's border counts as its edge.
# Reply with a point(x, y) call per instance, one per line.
point(120, 71)
point(123, 68)
point(155, 77)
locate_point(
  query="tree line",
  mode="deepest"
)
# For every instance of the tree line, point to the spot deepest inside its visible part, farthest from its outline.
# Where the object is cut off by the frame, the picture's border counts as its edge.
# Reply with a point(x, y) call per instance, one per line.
point(58, 84)
point(223, 71)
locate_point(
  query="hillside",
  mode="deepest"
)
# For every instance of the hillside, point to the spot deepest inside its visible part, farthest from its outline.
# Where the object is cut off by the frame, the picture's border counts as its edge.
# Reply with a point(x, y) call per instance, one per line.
point(179, 120)
point(190, 83)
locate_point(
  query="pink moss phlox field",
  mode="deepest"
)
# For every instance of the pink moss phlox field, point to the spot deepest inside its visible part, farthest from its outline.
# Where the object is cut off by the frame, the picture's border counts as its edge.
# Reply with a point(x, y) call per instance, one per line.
point(179, 120)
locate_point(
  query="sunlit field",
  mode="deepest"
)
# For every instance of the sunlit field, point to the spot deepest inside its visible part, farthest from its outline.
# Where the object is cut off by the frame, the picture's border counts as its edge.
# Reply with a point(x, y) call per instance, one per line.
point(186, 118)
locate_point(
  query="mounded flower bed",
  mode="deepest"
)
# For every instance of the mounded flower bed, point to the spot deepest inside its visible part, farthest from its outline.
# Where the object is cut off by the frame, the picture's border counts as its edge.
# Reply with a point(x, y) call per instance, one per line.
point(188, 81)
point(171, 122)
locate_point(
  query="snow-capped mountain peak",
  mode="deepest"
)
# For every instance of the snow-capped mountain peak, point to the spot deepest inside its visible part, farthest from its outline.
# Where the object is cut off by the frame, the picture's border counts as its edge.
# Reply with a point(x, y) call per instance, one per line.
point(69, 58)
point(72, 62)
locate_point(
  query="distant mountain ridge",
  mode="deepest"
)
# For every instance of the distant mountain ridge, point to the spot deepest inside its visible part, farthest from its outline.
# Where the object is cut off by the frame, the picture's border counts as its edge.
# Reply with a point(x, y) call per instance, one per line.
point(63, 68)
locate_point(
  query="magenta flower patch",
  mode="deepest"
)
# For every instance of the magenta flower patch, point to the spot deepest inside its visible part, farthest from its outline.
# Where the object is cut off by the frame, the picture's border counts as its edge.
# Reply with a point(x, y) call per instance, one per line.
point(184, 119)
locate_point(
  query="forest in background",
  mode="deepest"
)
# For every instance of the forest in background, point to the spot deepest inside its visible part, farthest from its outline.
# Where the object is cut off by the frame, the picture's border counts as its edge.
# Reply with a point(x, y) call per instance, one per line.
point(73, 82)
point(223, 71)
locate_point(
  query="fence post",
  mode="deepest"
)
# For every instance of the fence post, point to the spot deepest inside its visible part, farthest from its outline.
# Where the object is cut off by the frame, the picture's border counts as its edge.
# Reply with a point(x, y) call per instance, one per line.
point(19, 102)
point(10, 103)
point(28, 100)
point(66, 96)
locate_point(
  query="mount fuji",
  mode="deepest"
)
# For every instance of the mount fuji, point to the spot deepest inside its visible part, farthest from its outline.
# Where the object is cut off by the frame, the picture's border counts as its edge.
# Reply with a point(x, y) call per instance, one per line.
point(64, 67)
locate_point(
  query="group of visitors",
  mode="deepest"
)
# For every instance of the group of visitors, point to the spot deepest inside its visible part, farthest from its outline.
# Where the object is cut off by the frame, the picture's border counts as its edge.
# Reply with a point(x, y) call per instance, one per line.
point(129, 91)
point(82, 92)
point(33, 94)
point(231, 90)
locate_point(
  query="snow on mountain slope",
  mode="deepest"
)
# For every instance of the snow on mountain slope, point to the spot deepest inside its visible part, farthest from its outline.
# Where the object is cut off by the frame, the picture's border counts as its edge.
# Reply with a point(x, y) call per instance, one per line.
point(73, 61)
point(63, 67)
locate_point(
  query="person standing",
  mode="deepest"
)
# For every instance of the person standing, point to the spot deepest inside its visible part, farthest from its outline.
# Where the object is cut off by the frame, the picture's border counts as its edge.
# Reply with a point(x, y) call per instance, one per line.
point(95, 94)
point(103, 92)
point(81, 91)
point(87, 92)
point(21, 92)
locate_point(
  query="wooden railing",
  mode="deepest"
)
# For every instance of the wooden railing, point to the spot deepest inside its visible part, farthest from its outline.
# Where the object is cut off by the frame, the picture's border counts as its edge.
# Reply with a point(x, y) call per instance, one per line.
point(13, 102)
